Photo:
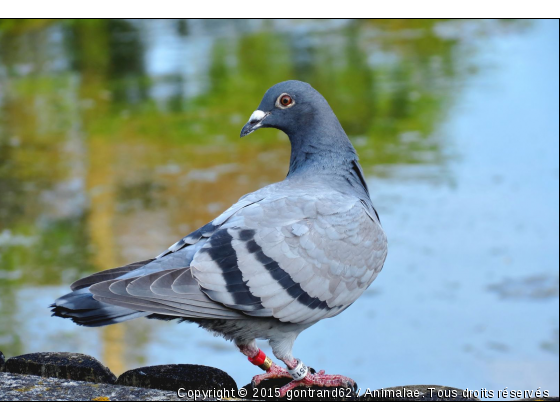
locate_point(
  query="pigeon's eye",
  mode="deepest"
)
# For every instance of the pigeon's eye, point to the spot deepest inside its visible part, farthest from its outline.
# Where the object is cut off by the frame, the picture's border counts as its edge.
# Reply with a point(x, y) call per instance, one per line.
point(284, 101)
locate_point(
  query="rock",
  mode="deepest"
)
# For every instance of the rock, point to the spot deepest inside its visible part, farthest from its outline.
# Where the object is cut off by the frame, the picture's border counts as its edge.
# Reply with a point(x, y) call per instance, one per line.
point(417, 393)
point(2, 362)
point(76, 366)
point(15, 387)
point(267, 391)
point(173, 377)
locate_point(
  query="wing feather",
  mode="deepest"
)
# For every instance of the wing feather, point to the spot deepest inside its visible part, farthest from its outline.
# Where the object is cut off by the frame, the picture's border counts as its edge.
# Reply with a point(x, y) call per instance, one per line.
point(300, 257)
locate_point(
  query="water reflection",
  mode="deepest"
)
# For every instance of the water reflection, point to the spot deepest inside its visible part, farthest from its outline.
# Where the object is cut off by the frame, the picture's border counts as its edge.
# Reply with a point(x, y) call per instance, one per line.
point(119, 136)
point(105, 121)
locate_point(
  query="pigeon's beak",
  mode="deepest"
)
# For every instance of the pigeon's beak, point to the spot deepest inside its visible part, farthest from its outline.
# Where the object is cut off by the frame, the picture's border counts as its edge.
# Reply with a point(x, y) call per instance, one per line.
point(254, 123)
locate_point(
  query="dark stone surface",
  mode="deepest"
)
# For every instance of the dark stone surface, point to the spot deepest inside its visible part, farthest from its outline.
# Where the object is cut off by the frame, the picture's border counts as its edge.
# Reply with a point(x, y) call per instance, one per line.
point(76, 366)
point(173, 377)
point(14, 387)
point(417, 393)
point(2, 362)
point(267, 391)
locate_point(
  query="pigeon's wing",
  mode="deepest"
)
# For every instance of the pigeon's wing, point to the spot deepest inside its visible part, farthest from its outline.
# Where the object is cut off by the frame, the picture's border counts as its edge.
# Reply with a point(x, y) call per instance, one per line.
point(108, 274)
point(171, 292)
point(298, 257)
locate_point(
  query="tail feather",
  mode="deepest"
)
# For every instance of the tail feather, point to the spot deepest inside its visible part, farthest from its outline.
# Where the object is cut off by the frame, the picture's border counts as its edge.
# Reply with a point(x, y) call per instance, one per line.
point(80, 306)
point(83, 309)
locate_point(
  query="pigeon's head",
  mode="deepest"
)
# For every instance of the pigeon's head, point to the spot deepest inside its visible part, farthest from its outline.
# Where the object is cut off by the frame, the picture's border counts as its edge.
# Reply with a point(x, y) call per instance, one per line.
point(320, 147)
point(290, 106)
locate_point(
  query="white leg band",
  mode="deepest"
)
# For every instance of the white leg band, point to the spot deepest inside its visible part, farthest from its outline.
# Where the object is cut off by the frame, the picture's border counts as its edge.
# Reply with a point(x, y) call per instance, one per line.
point(299, 372)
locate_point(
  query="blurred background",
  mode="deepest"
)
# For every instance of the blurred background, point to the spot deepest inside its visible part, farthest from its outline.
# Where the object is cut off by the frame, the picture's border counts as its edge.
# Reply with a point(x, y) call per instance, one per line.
point(118, 137)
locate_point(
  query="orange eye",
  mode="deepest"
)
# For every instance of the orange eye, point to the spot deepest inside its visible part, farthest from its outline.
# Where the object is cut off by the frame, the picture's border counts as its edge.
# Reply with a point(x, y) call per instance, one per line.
point(284, 101)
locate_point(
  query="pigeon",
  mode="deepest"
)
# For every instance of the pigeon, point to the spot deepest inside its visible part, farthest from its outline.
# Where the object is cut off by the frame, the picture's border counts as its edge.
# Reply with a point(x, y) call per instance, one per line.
point(275, 263)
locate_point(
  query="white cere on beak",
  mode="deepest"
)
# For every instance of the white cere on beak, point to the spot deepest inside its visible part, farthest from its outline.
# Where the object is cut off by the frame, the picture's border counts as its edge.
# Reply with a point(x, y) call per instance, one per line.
point(256, 116)
point(255, 122)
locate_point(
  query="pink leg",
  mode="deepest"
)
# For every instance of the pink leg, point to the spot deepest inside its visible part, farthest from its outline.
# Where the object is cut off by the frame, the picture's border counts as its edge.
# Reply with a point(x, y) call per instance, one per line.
point(273, 372)
point(315, 379)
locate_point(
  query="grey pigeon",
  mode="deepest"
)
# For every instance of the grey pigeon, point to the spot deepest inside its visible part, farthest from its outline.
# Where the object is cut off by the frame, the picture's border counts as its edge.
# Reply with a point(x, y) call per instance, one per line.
point(274, 263)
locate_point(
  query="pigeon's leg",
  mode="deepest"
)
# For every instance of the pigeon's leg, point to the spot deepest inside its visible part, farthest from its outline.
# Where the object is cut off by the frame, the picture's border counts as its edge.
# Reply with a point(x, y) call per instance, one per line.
point(303, 377)
point(257, 357)
point(273, 372)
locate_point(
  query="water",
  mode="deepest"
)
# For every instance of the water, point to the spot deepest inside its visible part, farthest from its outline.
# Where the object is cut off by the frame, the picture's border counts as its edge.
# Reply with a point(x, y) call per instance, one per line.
point(118, 137)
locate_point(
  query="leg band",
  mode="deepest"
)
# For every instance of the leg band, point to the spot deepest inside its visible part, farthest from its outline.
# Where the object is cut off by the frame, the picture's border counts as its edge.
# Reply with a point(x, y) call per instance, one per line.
point(299, 372)
point(261, 360)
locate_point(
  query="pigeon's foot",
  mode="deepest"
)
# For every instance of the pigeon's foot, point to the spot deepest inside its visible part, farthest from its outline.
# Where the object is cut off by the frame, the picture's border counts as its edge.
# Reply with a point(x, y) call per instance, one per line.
point(274, 372)
point(319, 379)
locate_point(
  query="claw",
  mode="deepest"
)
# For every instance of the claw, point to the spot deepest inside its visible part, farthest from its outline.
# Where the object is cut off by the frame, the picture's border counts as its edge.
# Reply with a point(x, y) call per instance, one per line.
point(274, 372)
point(320, 379)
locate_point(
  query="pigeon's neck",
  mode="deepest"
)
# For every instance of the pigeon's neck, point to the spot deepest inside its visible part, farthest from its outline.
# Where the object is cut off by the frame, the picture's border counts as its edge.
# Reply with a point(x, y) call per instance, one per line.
point(325, 154)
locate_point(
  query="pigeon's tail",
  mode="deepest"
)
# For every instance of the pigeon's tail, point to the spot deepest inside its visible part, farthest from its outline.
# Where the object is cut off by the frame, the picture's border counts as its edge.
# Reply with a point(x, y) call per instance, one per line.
point(80, 306)
point(83, 309)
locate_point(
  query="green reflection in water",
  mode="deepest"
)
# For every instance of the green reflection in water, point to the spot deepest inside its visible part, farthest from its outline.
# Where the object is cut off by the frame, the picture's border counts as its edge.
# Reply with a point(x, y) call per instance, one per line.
point(104, 159)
